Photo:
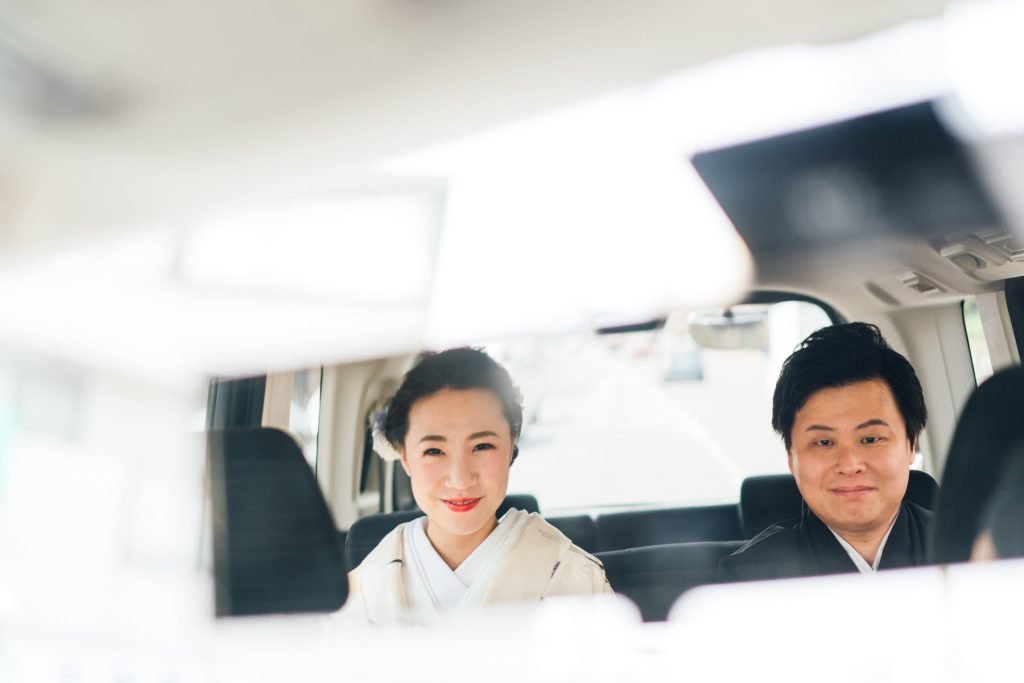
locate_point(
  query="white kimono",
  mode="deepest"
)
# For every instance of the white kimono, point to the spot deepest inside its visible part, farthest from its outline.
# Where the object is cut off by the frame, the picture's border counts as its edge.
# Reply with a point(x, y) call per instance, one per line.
point(404, 581)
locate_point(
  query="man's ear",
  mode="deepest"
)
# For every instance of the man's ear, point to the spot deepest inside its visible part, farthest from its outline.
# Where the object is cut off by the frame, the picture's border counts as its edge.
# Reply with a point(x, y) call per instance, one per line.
point(789, 460)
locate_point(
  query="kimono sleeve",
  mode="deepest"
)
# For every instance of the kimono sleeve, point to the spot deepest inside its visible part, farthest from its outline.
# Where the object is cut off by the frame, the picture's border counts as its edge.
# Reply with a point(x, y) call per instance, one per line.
point(578, 573)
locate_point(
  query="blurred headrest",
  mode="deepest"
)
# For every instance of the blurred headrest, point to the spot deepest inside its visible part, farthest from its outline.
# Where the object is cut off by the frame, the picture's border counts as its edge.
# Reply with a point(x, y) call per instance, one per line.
point(988, 432)
point(275, 542)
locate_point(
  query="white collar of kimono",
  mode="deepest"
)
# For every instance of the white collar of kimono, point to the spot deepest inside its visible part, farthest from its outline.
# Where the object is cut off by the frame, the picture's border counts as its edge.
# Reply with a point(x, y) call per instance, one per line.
point(434, 588)
point(862, 565)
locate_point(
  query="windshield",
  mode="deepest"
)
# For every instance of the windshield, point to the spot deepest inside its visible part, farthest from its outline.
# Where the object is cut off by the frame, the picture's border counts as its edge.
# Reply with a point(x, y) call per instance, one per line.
point(653, 417)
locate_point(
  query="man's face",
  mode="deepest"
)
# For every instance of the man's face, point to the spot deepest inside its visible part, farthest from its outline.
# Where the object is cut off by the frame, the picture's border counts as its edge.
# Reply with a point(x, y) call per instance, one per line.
point(851, 457)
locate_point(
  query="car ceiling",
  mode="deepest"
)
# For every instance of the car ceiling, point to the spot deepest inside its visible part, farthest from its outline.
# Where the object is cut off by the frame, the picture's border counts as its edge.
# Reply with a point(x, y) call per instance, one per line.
point(113, 114)
point(121, 118)
point(887, 209)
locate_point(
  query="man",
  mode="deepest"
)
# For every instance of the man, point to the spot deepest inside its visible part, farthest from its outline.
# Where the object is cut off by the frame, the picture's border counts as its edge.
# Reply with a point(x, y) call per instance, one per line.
point(850, 411)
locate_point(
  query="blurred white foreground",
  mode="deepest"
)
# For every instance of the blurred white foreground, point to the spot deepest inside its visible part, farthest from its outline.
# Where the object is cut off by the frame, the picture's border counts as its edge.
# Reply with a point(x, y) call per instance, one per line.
point(108, 331)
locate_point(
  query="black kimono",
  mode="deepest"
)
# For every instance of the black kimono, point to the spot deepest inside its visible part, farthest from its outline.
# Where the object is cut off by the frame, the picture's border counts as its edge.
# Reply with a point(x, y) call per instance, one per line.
point(806, 547)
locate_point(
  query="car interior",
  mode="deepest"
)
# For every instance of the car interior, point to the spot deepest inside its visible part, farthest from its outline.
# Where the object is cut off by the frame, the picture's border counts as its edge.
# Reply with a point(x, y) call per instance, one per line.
point(229, 230)
point(801, 201)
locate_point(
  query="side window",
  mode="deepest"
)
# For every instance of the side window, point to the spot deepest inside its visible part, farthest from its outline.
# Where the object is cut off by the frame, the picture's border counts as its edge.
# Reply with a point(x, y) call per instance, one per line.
point(980, 358)
point(371, 468)
point(403, 499)
point(678, 415)
point(304, 412)
point(235, 402)
point(369, 475)
point(387, 480)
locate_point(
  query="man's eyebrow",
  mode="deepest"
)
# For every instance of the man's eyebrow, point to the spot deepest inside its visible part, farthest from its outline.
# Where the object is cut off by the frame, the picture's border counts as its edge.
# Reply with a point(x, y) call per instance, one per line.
point(873, 422)
point(432, 437)
point(480, 435)
point(819, 428)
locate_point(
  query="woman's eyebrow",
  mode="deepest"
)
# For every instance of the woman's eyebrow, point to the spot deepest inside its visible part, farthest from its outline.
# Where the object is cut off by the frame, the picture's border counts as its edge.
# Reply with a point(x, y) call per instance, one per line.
point(432, 437)
point(480, 435)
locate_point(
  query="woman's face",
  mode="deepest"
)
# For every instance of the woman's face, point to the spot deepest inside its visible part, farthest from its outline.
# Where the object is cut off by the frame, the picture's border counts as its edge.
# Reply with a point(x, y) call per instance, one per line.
point(457, 454)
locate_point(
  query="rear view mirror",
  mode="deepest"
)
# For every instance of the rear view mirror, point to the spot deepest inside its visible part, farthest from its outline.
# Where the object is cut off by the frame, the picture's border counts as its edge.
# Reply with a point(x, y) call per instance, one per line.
point(738, 327)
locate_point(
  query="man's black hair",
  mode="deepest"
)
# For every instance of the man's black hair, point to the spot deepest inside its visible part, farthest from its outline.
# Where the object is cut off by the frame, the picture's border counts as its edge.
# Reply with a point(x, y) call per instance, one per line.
point(839, 355)
point(461, 368)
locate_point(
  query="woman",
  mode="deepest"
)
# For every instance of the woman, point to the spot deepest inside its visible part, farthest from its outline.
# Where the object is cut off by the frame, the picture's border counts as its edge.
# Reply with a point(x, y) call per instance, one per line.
point(454, 425)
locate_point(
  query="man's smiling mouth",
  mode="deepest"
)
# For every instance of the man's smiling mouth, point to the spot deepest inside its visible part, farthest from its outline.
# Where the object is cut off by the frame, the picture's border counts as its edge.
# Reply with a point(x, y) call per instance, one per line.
point(852, 491)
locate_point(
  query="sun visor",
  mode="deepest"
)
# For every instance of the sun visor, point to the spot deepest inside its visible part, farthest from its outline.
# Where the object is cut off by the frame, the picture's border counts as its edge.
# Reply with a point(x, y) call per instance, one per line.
point(578, 220)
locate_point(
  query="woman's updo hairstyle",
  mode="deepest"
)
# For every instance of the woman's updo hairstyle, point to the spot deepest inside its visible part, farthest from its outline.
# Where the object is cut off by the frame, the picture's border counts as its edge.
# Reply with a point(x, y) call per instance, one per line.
point(456, 369)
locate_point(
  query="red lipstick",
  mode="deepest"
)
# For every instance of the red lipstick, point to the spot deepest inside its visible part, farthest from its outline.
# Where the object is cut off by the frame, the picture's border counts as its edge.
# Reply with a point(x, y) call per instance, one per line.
point(460, 504)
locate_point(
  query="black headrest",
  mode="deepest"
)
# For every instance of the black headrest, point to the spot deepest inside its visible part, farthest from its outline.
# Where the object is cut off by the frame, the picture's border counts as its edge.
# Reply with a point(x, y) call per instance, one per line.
point(519, 501)
point(274, 541)
point(772, 498)
point(1005, 509)
point(922, 489)
point(367, 532)
point(655, 576)
point(635, 528)
point(989, 430)
point(580, 529)
point(767, 499)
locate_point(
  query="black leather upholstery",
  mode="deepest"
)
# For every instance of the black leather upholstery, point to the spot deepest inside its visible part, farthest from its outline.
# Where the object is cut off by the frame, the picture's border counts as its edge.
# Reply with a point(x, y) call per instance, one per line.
point(767, 499)
point(580, 529)
point(771, 498)
point(923, 490)
point(655, 576)
point(1005, 509)
point(989, 430)
point(367, 532)
point(275, 544)
point(633, 529)
point(519, 501)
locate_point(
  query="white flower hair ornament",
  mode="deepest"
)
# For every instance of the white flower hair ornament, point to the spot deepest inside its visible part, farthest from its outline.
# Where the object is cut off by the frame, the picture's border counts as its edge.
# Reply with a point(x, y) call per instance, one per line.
point(381, 445)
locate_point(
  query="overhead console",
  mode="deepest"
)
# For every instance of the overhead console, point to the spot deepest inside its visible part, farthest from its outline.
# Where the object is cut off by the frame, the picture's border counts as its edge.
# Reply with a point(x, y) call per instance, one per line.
point(987, 256)
point(895, 173)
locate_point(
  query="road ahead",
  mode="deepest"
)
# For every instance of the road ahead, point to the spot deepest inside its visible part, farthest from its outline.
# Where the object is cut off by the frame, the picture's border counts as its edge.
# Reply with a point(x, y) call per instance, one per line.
point(610, 431)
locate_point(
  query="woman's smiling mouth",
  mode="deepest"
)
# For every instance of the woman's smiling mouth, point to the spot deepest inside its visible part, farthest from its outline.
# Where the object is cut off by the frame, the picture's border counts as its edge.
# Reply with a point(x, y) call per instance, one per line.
point(460, 504)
